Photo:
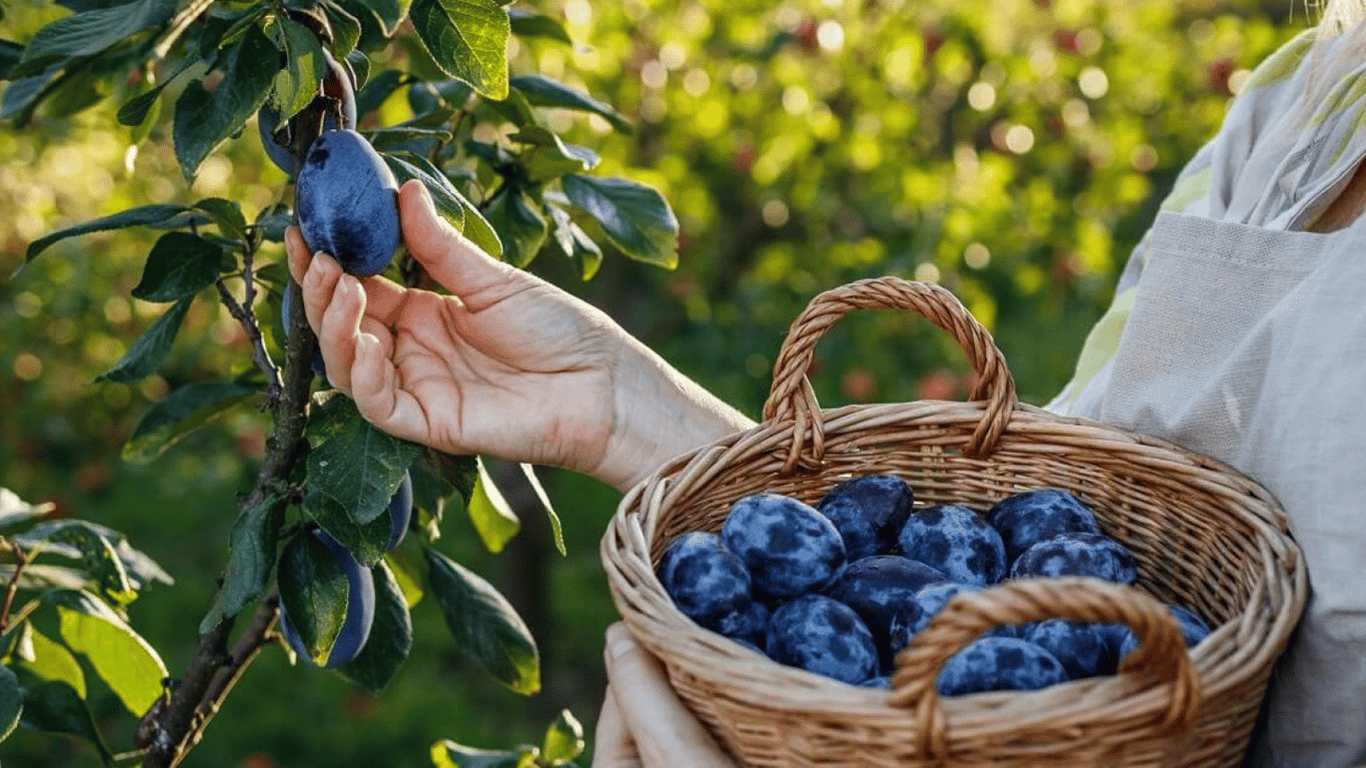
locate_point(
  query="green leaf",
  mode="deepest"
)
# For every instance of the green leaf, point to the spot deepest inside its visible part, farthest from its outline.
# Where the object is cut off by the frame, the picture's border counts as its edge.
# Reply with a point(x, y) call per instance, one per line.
point(298, 83)
point(563, 739)
point(22, 94)
point(147, 214)
point(45, 659)
point(11, 702)
point(227, 214)
point(134, 111)
point(54, 707)
point(182, 412)
point(492, 516)
point(345, 28)
point(481, 232)
point(273, 221)
point(179, 266)
point(520, 227)
point(573, 242)
point(542, 91)
point(377, 89)
point(484, 624)
point(556, 529)
point(146, 354)
point(254, 539)
point(141, 569)
point(10, 53)
point(634, 217)
point(546, 157)
point(120, 656)
point(87, 33)
point(95, 551)
point(467, 39)
point(447, 199)
point(448, 754)
point(407, 575)
point(390, 13)
point(391, 635)
point(314, 591)
point(353, 462)
point(526, 23)
point(203, 119)
point(367, 542)
point(14, 510)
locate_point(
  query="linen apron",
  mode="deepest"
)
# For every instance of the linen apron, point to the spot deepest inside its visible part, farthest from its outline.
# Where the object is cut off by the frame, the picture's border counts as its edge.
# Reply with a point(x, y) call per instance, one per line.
point(1249, 345)
point(1239, 335)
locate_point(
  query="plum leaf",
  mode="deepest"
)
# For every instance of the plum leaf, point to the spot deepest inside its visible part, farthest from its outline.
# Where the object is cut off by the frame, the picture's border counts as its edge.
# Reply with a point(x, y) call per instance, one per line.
point(542, 91)
point(635, 218)
point(120, 656)
point(146, 214)
point(520, 227)
point(467, 39)
point(314, 592)
point(203, 118)
point(87, 33)
point(179, 266)
point(146, 354)
point(492, 516)
point(184, 410)
point(254, 538)
point(55, 707)
point(354, 463)
point(11, 702)
point(484, 624)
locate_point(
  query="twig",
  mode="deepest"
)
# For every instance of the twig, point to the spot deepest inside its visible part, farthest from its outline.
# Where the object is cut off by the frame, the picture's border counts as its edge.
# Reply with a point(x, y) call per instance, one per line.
point(246, 318)
point(179, 24)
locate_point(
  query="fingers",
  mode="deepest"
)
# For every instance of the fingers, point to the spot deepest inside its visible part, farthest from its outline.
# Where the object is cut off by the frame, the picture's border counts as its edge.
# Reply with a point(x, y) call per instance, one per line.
point(337, 322)
point(612, 745)
point(448, 256)
point(664, 731)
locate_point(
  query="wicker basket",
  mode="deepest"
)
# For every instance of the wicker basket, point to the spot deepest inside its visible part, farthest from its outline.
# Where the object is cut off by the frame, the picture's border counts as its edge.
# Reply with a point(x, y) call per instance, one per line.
point(1203, 535)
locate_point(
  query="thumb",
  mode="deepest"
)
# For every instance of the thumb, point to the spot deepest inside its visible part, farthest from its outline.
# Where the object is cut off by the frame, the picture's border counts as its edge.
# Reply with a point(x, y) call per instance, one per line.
point(461, 267)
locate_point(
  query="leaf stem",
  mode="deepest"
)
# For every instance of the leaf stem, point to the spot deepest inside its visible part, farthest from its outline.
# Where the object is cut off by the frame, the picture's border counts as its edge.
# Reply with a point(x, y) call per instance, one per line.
point(20, 559)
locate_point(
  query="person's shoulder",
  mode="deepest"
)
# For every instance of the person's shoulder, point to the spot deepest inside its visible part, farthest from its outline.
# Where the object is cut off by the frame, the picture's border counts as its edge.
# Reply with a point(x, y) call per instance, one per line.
point(1283, 64)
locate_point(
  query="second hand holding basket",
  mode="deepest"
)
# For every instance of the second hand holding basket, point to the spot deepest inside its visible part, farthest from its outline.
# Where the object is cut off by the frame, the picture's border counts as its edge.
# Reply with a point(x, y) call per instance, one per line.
point(1203, 535)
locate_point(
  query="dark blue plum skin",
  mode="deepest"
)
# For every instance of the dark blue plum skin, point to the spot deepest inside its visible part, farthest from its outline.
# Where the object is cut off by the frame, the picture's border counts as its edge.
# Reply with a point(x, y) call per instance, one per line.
point(1027, 518)
point(318, 366)
point(1077, 554)
point(1079, 646)
point(878, 588)
point(956, 541)
point(923, 606)
point(788, 547)
point(347, 201)
point(1193, 630)
point(824, 636)
point(869, 512)
point(705, 580)
point(999, 664)
point(748, 622)
point(360, 609)
point(400, 510)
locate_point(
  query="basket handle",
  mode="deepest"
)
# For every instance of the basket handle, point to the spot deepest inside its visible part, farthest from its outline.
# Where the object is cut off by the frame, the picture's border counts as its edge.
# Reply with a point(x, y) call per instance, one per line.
point(791, 395)
point(1161, 651)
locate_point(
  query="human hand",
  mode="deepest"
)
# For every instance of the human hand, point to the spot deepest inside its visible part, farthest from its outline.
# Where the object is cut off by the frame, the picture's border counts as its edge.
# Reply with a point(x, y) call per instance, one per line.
point(643, 723)
point(508, 365)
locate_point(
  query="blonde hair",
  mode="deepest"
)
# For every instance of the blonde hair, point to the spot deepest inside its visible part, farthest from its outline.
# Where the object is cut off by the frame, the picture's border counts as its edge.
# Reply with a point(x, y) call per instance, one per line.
point(1340, 15)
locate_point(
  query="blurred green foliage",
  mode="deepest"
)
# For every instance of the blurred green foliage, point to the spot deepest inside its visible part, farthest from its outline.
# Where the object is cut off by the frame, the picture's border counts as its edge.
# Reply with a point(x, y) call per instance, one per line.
point(1013, 150)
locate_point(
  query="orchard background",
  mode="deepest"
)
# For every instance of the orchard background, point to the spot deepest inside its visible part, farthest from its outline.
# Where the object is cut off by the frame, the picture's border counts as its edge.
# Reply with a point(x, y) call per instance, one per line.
point(1012, 150)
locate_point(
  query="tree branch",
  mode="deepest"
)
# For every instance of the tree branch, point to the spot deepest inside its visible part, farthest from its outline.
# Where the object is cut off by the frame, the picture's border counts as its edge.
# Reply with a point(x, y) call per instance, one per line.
point(214, 669)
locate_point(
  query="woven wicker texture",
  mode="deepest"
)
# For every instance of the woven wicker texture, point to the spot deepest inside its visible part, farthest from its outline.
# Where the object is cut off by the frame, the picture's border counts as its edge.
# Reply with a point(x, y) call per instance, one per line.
point(1204, 537)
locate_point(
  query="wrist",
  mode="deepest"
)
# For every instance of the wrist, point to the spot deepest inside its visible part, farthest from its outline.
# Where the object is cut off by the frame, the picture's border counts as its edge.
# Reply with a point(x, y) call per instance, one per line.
point(658, 414)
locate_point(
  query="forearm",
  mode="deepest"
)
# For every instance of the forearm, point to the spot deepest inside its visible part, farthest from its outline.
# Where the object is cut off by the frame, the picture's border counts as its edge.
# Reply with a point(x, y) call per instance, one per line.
point(658, 413)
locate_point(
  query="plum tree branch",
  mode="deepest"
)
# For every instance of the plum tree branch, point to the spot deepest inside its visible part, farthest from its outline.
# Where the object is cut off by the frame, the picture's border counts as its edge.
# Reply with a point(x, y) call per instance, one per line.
point(214, 669)
point(244, 314)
